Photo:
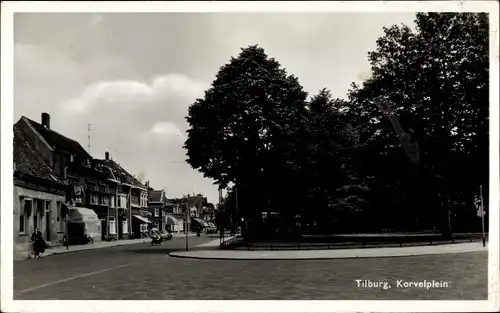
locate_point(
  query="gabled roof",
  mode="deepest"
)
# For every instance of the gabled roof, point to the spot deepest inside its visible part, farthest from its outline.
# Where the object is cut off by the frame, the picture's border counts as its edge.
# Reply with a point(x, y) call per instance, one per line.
point(29, 162)
point(196, 201)
point(158, 196)
point(155, 196)
point(58, 141)
point(77, 168)
point(121, 174)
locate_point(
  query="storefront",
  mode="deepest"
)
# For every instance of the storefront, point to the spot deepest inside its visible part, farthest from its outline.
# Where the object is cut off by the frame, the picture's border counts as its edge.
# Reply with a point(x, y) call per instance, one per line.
point(140, 225)
point(173, 223)
point(83, 222)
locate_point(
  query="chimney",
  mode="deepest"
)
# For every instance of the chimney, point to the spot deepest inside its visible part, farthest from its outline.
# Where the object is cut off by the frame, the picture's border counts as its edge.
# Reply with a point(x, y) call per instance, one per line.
point(107, 155)
point(46, 120)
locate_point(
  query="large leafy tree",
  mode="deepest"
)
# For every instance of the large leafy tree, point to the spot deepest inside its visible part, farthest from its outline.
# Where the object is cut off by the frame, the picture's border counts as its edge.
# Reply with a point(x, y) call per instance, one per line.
point(436, 79)
point(248, 128)
point(336, 189)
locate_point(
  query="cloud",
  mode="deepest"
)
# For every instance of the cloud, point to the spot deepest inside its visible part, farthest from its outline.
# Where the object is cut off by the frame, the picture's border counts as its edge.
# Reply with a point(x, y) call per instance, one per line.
point(133, 81)
point(141, 123)
point(165, 128)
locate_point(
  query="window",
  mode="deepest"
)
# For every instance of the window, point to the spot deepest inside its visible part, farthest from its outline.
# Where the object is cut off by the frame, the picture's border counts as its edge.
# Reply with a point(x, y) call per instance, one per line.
point(48, 207)
point(157, 212)
point(122, 201)
point(164, 213)
point(125, 226)
point(92, 186)
point(112, 225)
point(94, 199)
point(24, 214)
point(103, 200)
point(60, 223)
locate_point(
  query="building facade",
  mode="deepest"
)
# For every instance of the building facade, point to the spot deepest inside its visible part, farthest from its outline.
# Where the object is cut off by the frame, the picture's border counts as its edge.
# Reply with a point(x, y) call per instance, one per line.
point(162, 211)
point(39, 196)
point(129, 202)
point(87, 181)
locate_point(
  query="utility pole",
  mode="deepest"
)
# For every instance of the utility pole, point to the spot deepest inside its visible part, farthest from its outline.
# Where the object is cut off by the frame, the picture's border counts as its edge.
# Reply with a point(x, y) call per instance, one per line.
point(188, 216)
point(88, 137)
point(237, 217)
point(482, 214)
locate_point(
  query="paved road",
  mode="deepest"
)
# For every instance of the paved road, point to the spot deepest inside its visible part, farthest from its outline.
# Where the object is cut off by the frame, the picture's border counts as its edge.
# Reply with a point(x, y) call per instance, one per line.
point(142, 272)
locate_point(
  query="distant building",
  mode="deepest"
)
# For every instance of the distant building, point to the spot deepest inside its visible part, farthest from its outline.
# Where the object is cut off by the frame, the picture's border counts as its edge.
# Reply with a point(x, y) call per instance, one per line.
point(178, 215)
point(163, 211)
point(129, 202)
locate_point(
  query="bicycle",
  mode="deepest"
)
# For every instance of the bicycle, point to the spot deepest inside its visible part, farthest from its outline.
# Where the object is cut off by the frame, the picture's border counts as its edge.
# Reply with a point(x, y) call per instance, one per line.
point(32, 253)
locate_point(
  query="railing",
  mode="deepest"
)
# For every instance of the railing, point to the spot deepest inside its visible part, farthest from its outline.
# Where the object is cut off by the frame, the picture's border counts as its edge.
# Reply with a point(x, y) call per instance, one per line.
point(239, 244)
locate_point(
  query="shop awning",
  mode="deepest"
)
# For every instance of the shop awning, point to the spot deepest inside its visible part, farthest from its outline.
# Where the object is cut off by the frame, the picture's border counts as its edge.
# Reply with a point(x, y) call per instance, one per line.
point(201, 222)
point(143, 219)
point(82, 215)
point(172, 221)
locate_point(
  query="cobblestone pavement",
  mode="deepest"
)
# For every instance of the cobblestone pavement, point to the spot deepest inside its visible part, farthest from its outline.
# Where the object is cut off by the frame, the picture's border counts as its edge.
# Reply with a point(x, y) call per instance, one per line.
point(143, 272)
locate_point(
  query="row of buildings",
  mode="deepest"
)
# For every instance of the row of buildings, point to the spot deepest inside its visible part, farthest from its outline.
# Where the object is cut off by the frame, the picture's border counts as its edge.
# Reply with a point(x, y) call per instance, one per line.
point(60, 189)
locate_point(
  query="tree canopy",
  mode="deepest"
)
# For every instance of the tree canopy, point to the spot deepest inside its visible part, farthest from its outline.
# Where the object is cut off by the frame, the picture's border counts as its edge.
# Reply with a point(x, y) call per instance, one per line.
point(338, 162)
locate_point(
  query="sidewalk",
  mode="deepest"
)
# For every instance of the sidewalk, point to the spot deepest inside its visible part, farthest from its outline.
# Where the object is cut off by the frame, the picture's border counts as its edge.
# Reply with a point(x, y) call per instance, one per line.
point(23, 254)
point(214, 243)
point(330, 254)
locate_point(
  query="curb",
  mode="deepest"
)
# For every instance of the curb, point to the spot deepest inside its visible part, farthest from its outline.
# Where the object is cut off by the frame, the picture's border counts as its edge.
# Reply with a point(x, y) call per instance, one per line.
point(258, 257)
point(174, 255)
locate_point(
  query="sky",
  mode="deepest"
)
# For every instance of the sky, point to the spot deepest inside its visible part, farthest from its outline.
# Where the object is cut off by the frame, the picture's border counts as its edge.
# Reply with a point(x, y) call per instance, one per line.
point(133, 76)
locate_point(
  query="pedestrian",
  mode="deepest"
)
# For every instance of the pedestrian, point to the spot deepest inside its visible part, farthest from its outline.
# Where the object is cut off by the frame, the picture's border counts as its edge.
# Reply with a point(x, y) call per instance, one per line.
point(38, 242)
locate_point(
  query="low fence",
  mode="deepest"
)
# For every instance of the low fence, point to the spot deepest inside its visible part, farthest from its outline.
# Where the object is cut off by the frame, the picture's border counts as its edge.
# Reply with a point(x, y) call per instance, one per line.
point(348, 242)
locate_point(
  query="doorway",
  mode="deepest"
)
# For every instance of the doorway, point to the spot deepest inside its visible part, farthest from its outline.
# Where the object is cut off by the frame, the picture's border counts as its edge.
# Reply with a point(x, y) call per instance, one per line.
point(47, 225)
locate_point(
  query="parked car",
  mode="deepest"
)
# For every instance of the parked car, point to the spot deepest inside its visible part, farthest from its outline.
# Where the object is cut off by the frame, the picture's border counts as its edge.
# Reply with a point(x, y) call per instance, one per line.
point(211, 229)
point(166, 235)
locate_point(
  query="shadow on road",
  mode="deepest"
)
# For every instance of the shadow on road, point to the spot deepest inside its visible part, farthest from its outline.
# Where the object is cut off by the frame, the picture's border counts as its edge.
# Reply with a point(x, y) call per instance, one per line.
point(154, 250)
